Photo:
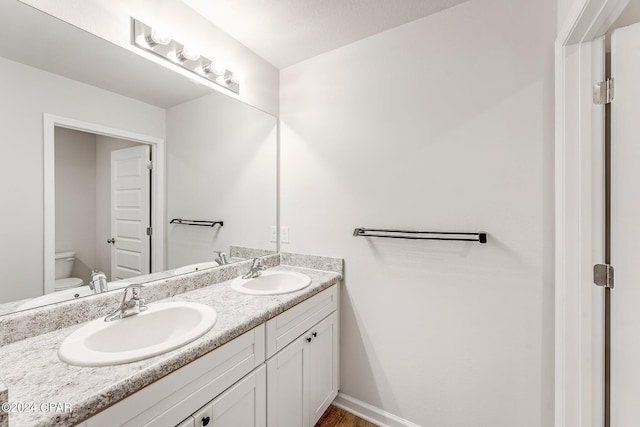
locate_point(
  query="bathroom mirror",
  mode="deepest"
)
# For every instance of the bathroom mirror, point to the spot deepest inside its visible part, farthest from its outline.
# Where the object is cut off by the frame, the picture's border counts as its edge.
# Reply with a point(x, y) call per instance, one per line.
point(101, 148)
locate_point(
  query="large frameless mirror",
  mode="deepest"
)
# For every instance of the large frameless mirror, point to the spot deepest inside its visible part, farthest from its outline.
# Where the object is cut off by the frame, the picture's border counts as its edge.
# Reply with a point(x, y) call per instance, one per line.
point(114, 164)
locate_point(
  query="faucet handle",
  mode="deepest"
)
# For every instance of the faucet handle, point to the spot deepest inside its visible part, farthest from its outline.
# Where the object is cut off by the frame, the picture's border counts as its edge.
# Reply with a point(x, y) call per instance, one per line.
point(96, 275)
point(135, 293)
point(128, 308)
point(135, 289)
point(221, 258)
point(256, 268)
point(135, 300)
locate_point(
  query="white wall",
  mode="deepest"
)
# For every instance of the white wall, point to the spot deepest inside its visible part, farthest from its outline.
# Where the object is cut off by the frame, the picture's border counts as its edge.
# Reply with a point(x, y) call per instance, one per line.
point(221, 165)
point(564, 7)
point(110, 19)
point(27, 93)
point(445, 123)
point(75, 177)
point(104, 146)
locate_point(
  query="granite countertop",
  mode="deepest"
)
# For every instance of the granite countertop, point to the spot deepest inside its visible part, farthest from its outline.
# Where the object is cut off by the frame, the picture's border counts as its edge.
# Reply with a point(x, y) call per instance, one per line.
point(33, 373)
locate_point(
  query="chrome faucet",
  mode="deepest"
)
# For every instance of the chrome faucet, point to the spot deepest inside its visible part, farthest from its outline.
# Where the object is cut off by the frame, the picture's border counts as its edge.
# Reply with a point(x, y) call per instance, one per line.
point(256, 269)
point(221, 259)
point(98, 283)
point(131, 307)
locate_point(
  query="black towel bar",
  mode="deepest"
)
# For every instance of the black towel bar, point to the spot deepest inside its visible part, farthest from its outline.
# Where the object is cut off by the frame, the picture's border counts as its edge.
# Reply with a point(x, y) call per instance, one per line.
point(422, 235)
point(196, 222)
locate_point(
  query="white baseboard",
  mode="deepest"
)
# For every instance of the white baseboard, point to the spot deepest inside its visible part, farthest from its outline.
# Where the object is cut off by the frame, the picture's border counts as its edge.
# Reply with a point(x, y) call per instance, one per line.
point(370, 413)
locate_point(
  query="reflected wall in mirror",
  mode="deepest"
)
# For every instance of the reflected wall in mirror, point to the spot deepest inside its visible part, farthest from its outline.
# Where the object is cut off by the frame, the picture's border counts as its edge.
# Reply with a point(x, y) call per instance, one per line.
point(221, 167)
point(215, 159)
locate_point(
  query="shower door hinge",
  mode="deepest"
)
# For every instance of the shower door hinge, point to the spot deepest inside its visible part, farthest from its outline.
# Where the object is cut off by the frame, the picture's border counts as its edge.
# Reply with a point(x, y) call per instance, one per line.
point(149, 165)
point(149, 231)
point(603, 275)
point(603, 92)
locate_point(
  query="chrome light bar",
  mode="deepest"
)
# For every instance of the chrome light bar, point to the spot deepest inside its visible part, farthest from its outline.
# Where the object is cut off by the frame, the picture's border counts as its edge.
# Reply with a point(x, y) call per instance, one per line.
point(154, 41)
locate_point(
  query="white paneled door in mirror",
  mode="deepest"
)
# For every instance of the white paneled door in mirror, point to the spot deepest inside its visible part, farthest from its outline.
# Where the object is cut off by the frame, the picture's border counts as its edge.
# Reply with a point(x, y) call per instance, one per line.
point(130, 212)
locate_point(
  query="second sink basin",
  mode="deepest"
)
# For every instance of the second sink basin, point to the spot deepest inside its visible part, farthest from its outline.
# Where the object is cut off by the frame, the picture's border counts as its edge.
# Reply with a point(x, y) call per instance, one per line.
point(272, 283)
point(161, 328)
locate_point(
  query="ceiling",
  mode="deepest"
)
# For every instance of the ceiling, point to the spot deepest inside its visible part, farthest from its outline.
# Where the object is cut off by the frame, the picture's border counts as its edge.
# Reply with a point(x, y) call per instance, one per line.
point(285, 32)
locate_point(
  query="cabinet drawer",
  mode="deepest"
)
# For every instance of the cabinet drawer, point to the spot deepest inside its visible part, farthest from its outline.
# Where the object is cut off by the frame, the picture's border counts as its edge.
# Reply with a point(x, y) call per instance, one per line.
point(286, 327)
point(173, 398)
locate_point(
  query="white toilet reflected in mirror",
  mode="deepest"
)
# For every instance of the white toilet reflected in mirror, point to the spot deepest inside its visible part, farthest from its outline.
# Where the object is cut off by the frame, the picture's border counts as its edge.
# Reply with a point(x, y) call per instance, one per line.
point(64, 267)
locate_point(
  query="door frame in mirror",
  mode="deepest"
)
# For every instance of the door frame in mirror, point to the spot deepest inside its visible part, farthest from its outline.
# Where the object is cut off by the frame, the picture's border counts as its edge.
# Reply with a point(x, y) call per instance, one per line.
point(50, 122)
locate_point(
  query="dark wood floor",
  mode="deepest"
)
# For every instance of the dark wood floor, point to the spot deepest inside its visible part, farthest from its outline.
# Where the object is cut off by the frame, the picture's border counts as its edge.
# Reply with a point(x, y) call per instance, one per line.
point(336, 417)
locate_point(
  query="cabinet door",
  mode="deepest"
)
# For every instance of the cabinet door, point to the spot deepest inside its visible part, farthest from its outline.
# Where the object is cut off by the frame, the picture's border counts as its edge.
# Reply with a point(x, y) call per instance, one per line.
point(285, 387)
point(302, 379)
point(323, 367)
point(243, 405)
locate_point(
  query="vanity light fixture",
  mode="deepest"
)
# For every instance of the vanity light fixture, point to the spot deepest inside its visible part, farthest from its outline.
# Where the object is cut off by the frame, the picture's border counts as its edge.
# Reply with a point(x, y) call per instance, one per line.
point(157, 42)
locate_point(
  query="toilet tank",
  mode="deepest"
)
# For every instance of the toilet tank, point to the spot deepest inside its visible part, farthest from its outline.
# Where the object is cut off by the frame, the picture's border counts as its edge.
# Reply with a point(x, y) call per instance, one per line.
point(64, 264)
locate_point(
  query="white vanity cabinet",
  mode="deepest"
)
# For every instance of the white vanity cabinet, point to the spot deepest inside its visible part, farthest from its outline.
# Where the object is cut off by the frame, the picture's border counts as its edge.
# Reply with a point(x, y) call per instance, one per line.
point(232, 386)
point(302, 376)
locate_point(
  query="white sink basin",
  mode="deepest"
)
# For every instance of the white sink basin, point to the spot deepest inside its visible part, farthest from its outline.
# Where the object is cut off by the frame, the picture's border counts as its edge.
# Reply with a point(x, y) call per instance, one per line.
point(195, 267)
point(161, 328)
point(66, 295)
point(272, 283)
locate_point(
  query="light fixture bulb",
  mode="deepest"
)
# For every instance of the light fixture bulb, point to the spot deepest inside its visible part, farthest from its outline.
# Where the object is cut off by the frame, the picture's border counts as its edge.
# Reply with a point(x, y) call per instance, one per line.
point(217, 68)
point(187, 54)
point(212, 68)
point(158, 37)
point(173, 57)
